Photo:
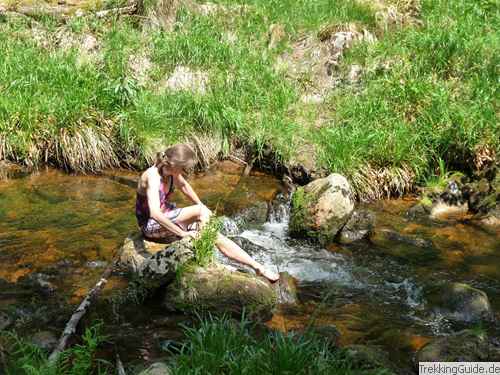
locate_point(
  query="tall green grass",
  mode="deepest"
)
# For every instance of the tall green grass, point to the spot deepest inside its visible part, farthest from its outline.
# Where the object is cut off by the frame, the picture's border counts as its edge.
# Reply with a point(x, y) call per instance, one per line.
point(222, 346)
point(27, 359)
point(437, 100)
point(427, 92)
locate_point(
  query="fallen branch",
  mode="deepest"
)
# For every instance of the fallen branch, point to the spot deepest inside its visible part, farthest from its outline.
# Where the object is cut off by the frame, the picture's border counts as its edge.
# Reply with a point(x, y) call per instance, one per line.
point(119, 365)
point(70, 328)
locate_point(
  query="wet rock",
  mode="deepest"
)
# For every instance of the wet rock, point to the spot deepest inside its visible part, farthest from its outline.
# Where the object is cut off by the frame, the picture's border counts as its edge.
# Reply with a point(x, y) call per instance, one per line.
point(254, 215)
point(417, 211)
point(464, 346)
point(217, 289)
point(39, 282)
point(459, 302)
point(184, 79)
point(357, 227)
point(214, 288)
point(158, 368)
point(386, 237)
point(286, 289)
point(155, 263)
point(444, 211)
point(5, 321)
point(321, 208)
point(368, 357)
point(44, 340)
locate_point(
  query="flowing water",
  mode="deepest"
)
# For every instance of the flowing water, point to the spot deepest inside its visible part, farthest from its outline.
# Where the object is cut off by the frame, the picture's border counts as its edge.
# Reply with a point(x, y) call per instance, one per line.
point(58, 232)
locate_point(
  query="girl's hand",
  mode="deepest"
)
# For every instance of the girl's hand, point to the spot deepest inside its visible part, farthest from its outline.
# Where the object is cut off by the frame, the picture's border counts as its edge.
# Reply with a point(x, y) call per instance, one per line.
point(192, 233)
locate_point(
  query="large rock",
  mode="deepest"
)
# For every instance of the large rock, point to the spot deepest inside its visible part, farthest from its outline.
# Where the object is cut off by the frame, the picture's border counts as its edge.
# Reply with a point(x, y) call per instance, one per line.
point(321, 208)
point(357, 227)
point(464, 346)
point(214, 288)
point(459, 302)
point(217, 289)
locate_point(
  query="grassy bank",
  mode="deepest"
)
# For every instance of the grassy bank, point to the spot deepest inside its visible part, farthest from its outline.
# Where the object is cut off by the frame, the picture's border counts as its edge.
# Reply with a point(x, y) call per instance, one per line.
point(91, 93)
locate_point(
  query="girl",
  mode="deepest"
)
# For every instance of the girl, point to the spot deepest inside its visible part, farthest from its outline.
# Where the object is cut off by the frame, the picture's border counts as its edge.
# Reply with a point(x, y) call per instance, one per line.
point(161, 221)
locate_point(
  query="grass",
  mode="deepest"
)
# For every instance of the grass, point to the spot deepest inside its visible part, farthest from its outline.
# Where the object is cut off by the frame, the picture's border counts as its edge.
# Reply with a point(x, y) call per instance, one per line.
point(27, 359)
point(427, 92)
point(222, 346)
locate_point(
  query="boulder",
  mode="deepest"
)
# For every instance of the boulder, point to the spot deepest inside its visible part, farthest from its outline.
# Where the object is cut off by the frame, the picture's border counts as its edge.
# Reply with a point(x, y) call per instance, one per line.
point(459, 302)
point(357, 227)
point(464, 346)
point(158, 368)
point(214, 288)
point(321, 208)
point(217, 289)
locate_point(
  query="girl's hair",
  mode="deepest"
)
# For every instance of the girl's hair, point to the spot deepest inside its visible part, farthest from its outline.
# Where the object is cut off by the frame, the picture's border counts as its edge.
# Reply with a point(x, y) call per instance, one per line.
point(180, 156)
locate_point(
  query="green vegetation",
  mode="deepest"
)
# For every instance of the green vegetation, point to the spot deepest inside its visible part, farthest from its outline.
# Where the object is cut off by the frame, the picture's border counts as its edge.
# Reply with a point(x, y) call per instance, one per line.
point(222, 346)
point(27, 359)
point(204, 245)
point(427, 92)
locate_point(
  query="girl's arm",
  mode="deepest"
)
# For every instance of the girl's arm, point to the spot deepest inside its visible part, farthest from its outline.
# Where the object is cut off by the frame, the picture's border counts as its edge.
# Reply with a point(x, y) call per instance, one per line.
point(155, 210)
point(184, 186)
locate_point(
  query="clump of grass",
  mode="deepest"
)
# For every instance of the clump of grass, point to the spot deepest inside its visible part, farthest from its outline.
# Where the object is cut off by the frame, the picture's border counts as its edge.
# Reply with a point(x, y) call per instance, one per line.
point(222, 346)
point(204, 245)
point(27, 359)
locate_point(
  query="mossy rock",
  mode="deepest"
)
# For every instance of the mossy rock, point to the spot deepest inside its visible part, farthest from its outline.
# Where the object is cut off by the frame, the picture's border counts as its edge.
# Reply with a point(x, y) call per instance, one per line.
point(321, 208)
point(459, 302)
point(464, 346)
point(219, 290)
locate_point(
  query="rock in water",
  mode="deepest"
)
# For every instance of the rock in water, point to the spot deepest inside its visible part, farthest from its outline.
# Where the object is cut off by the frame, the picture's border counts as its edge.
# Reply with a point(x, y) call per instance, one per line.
point(464, 346)
point(459, 302)
point(214, 288)
point(357, 227)
point(321, 208)
point(219, 290)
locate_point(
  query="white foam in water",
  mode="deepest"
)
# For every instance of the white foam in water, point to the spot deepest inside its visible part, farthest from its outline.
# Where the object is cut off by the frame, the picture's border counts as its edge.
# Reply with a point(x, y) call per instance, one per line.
point(305, 263)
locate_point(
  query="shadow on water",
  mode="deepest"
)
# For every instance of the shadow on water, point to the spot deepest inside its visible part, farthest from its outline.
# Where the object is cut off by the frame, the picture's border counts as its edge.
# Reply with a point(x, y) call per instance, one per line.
point(67, 228)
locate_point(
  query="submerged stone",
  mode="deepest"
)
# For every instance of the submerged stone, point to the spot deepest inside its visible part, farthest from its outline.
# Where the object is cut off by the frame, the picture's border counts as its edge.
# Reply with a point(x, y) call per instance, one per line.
point(321, 208)
point(357, 227)
point(459, 302)
point(369, 357)
point(464, 346)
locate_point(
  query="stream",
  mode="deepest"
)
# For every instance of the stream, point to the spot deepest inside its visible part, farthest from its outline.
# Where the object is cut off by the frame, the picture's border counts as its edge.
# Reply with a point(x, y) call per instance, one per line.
point(58, 232)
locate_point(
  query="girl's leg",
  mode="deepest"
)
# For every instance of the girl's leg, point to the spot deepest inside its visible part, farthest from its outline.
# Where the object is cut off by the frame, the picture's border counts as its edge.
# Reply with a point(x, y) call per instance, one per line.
point(233, 251)
point(192, 214)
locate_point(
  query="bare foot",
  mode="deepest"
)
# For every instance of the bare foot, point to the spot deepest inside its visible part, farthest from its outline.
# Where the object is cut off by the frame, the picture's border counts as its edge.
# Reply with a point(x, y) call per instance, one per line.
point(270, 275)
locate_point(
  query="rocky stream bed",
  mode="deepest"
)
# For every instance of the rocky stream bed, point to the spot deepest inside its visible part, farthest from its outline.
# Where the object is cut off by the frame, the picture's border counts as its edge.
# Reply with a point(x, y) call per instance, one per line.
point(396, 285)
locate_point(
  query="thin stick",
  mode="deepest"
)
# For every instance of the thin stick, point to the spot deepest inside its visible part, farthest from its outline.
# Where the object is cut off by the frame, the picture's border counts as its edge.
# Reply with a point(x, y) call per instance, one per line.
point(119, 365)
point(70, 328)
